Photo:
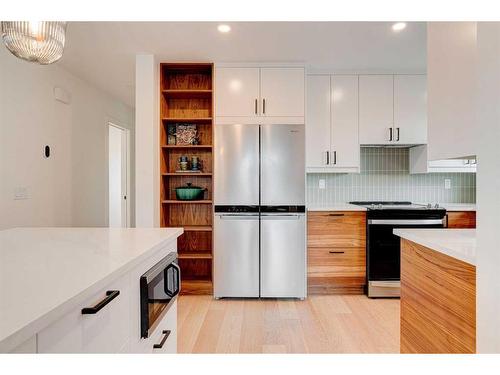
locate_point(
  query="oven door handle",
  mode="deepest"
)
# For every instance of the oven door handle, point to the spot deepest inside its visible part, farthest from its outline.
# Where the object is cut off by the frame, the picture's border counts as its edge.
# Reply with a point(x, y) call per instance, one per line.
point(415, 222)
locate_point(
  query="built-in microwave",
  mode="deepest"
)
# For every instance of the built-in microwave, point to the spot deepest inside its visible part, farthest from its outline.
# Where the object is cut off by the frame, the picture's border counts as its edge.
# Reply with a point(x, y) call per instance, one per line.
point(159, 286)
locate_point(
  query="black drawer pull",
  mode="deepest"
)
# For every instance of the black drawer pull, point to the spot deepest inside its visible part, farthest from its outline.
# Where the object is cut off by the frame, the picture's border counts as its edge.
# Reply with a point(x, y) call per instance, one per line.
point(336, 214)
point(110, 296)
point(165, 337)
point(336, 252)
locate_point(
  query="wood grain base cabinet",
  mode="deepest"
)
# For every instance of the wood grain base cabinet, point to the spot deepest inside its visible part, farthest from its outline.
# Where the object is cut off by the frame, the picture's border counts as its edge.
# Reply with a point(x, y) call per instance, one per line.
point(336, 261)
point(438, 302)
point(461, 219)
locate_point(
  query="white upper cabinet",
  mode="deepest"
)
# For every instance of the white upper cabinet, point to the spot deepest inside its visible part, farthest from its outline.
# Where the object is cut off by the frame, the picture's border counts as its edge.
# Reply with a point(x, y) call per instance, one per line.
point(332, 143)
point(318, 121)
point(259, 95)
point(345, 130)
point(376, 116)
point(452, 85)
point(237, 92)
point(410, 109)
point(393, 109)
point(282, 92)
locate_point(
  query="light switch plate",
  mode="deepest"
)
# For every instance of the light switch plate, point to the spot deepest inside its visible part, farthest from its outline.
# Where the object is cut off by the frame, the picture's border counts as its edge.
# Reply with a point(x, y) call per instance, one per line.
point(322, 184)
point(21, 192)
point(447, 184)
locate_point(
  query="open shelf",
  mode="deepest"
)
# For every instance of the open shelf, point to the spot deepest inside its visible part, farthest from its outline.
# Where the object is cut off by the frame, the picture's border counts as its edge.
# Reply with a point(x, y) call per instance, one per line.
point(186, 146)
point(188, 174)
point(186, 98)
point(177, 201)
point(187, 119)
point(197, 228)
point(187, 93)
point(203, 255)
point(196, 286)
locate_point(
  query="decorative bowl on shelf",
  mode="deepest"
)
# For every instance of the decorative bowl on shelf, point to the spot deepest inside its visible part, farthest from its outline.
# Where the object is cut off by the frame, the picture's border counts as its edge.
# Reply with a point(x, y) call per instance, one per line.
point(189, 193)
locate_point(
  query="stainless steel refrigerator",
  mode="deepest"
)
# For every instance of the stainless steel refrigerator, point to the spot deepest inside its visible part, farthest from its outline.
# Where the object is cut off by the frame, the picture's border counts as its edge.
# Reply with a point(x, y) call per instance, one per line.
point(259, 223)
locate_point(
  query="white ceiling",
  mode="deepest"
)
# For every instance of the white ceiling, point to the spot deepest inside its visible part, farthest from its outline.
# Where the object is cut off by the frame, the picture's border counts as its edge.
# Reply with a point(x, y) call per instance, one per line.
point(103, 53)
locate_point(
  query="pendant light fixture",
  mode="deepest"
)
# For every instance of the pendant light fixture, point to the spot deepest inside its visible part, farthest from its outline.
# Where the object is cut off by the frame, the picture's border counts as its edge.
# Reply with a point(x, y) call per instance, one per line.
point(41, 42)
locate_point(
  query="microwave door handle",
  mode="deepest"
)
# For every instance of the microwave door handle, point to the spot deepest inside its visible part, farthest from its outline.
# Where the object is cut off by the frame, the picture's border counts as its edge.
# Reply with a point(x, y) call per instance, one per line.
point(177, 273)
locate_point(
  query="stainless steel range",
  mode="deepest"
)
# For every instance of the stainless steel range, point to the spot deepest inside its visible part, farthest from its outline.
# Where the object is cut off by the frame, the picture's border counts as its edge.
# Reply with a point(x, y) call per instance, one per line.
point(383, 250)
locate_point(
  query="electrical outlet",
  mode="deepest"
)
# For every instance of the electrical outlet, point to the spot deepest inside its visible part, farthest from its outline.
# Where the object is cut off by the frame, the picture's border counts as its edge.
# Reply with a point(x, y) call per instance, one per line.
point(447, 184)
point(322, 184)
point(21, 192)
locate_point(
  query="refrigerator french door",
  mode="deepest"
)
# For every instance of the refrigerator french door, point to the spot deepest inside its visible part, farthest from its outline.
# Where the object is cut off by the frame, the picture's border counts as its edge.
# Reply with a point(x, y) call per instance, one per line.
point(259, 224)
point(282, 255)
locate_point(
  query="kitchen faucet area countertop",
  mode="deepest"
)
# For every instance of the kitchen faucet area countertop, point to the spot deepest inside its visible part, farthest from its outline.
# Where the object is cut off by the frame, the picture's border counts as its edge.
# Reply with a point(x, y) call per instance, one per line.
point(44, 272)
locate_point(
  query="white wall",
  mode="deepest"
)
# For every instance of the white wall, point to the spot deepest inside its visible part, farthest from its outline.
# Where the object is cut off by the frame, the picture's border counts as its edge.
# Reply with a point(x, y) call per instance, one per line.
point(146, 141)
point(488, 188)
point(70, 187)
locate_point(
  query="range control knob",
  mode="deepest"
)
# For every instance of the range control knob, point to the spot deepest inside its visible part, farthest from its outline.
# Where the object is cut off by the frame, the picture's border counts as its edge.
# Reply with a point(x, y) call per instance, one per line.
point(429, 206)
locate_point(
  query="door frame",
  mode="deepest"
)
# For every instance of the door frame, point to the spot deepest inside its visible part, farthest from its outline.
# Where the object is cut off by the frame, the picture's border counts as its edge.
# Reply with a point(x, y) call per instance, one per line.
point(118, 125)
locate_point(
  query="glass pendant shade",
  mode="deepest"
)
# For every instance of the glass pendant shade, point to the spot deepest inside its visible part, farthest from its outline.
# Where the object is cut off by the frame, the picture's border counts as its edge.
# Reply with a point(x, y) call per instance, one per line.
point(41, 42)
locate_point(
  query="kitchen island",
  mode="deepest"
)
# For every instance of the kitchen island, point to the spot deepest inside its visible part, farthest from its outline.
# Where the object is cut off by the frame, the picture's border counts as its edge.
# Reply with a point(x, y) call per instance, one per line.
point(47, 275)
point(438, 290)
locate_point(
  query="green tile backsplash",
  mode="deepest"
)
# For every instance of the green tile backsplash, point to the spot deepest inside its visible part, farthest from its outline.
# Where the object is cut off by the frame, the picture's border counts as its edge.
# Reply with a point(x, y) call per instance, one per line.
point(385, 176)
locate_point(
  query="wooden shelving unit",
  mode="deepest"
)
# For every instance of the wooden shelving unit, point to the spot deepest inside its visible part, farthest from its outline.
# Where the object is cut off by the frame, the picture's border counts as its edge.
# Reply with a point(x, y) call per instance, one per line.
point(186, 97)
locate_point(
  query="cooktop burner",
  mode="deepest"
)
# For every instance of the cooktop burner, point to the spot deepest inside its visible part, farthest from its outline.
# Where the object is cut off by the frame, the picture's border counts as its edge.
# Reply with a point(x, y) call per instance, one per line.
point(396, 205)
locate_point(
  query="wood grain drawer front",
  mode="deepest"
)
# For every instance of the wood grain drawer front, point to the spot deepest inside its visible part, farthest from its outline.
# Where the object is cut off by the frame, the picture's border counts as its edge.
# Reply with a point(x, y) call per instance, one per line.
point(328, 262)
point(341, 229)
point(461, 219)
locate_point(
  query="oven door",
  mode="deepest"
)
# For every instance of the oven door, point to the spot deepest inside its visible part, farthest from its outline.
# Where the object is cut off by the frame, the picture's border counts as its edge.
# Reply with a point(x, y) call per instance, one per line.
point(159, 287)
point(383, 255)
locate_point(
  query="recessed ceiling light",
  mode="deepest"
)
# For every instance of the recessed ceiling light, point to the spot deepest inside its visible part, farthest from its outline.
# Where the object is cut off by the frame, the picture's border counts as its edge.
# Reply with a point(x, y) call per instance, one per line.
point(224, 28)
point(398, 26)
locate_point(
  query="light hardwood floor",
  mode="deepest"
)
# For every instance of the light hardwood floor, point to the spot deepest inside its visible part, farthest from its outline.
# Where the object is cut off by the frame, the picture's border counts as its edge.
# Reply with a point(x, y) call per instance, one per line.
point(320, 324)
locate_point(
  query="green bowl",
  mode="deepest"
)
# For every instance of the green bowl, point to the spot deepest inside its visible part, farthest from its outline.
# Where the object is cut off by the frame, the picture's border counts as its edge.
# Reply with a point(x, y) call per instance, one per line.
point(189, 193)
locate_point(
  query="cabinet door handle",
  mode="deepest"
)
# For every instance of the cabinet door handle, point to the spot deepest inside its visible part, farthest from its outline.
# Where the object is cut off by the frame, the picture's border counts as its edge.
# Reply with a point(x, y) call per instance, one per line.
point(390, 134)
point(336, 252)
point(264, 106)
point(336, 215)
point(256, 105)
point(334, 157)
point(166, 333)
point(110, 296)
point(327, 157)
point(397, 129)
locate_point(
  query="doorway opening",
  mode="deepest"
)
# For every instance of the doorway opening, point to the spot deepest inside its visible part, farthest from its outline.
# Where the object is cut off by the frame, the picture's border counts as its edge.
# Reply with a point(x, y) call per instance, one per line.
point(118, 176)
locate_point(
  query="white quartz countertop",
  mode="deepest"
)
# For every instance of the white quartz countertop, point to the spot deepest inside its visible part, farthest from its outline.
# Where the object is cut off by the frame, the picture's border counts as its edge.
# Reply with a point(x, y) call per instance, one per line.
point(337, 207)
point(457, 243)
point(43, 269)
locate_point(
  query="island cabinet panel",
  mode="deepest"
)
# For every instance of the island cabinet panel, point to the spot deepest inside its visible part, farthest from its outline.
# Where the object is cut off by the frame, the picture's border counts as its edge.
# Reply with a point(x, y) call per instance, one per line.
point(336, 252)
point(438, 302)
point(106, 331)
point(461, 219)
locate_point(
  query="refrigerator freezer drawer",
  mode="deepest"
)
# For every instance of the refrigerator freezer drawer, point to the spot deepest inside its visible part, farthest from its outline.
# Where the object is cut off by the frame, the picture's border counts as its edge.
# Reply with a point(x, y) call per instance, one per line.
point(283, 256)
point(236, 256)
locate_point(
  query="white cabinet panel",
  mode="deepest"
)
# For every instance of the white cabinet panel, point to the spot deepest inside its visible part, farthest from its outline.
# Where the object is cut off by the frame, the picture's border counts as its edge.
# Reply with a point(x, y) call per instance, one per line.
point(166, 333)
point(410, 109)
point(237, 92)
point(345, 131)
point(452, 85)
point(318, 121)
point(419, 163)
point(282, 92)
point(107, 331)
point(26, 347)
point(375, 109)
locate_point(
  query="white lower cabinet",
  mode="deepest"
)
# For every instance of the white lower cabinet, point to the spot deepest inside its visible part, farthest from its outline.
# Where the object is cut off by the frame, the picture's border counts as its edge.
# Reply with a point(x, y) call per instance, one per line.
point(106, 331)
point(115, 327)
